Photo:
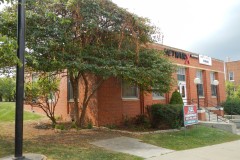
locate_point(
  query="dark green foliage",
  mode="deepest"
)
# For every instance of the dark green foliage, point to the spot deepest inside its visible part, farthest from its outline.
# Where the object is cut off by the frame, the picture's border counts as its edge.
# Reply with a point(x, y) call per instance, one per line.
point(8, 55)
point(89, 125)
point(176, 98)
point(166, 115)
point(60, 126)
point(139, 123)
point(232, 106)
point(142, 122)
point(7, 89)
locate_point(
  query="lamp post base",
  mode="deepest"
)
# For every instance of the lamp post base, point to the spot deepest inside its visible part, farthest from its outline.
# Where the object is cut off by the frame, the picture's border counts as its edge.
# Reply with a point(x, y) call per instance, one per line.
point(28, 156)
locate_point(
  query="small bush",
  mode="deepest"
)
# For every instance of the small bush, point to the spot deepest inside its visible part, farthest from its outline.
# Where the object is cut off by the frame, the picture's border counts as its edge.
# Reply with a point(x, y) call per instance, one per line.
point(142, 120)
point(165, 116)
point(126, 121)
point(176, 98)
point(111, 126)
point(89, 125)
point(60, 126)
point(232, 106)
point(74, 125)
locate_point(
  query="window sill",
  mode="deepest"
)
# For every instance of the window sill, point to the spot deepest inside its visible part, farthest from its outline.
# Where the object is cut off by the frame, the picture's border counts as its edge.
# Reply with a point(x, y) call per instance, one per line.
point(71, 100)
point(158, 99)
point(201, 97)
point(214, 96)
point(130, 99)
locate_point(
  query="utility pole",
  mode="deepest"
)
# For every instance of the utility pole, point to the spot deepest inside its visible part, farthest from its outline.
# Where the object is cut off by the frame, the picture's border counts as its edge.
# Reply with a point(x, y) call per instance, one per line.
point(20, 82)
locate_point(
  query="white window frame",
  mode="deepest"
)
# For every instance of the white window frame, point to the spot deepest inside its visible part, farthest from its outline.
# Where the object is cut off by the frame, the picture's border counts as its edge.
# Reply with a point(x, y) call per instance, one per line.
point(69, 91)
point(229, 76)
point(212, 78)
point(135, 97)
point(157, 96)
point(200, 76)
point(181, 71)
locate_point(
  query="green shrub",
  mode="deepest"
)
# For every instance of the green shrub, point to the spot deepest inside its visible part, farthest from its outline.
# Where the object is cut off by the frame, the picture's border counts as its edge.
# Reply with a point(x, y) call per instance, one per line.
point(60, 126)
point(74, 125)
point(126, 121)
point(141, 121)
point(176, 98)
point(166, 115)
point(111, 126)
point(232, 106)
point(89, 125)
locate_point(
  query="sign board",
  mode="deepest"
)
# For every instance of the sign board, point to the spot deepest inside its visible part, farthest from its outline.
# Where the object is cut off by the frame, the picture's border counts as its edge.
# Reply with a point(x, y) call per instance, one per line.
point(205, 60)
point(190, 115)
point(196, 56)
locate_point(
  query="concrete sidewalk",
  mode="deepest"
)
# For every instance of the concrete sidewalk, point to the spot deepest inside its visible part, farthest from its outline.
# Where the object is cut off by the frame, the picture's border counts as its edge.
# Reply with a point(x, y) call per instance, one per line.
point(225, 151)
point(132, 146)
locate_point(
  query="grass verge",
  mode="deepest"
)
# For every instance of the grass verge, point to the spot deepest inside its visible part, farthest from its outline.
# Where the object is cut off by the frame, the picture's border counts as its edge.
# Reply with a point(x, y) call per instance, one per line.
point(61, 151)
point(198, 136)
point(7, 113)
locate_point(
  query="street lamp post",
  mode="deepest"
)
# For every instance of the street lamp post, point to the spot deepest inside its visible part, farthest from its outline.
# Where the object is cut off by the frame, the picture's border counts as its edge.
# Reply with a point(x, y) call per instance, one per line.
point(215, 83)
point(20, 81)
point(197, 82)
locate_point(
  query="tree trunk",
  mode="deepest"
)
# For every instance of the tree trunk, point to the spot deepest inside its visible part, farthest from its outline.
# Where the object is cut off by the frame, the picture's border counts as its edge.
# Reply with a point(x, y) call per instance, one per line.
point(141, 101)
point(88, 93)
point(82, 118)
point(74, 81)
point(54, 122)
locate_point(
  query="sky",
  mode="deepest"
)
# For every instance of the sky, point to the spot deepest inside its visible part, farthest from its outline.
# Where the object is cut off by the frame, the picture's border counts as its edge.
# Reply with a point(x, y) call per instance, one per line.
point(207, 27)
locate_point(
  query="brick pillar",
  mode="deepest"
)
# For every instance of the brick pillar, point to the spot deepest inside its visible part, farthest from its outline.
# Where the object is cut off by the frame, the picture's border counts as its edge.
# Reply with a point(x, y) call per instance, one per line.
point(201, 115)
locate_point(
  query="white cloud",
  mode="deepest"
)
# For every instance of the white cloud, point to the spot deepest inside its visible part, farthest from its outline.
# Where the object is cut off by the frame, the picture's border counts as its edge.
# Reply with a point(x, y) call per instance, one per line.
point(183, 22)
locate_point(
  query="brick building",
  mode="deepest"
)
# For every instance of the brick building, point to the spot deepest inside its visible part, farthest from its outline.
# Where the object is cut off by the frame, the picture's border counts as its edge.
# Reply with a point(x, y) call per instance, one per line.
point(233, 72)
point(116, 99)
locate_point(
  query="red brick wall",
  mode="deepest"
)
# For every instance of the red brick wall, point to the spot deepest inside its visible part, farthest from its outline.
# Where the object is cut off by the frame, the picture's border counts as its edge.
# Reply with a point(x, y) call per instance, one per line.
point(110, 104)
point(234, 67)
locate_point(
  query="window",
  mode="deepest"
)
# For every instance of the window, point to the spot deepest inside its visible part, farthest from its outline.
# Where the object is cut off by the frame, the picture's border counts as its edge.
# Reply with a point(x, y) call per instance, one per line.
point(200, 86)
point(213, 87)
point(129, 90)
point(231, 76)
point(181, 74)
point(70, 90)
point(157, 95)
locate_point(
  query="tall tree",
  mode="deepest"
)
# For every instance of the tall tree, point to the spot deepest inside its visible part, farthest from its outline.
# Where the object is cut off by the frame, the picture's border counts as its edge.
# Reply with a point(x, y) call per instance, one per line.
point(93, 40)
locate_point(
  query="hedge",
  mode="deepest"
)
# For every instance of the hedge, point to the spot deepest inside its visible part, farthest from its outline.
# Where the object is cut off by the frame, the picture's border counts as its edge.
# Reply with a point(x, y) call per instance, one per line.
point(176, 98)
point(232, 106)
point(168, 115)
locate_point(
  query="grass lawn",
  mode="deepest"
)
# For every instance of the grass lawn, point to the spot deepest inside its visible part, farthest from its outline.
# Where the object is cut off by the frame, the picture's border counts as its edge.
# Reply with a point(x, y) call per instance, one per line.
point(63, 152)
point(7, 113)
point(198, 136)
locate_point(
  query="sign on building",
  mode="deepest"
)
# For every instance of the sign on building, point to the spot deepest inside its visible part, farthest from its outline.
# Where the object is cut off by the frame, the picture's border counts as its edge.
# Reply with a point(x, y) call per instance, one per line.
point(190, 115)
point(205, 60)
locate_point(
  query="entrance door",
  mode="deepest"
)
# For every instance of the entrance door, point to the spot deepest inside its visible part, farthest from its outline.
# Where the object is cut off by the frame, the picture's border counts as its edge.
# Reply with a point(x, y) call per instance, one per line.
point(183, 91)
